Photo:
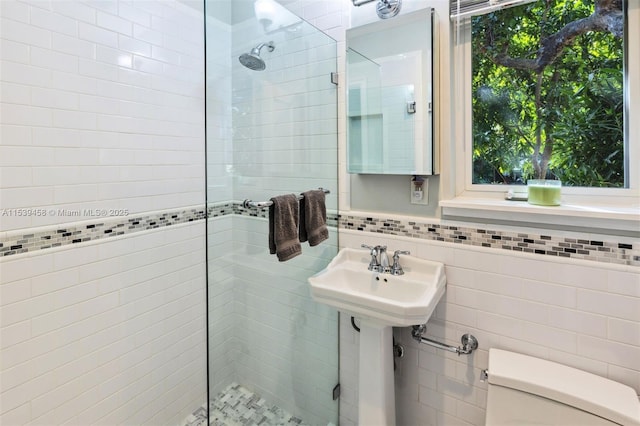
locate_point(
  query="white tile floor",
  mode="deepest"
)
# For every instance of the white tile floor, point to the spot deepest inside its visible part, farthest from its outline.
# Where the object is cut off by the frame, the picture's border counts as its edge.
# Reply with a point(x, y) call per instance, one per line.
point(238, 406)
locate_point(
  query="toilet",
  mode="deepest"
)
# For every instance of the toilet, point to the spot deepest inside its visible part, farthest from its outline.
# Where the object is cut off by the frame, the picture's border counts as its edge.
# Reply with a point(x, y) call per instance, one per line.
point(524, 390)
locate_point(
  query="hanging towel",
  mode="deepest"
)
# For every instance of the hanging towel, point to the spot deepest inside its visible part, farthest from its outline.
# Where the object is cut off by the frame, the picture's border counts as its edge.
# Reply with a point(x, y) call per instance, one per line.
point(283, 227)
point(313, 217)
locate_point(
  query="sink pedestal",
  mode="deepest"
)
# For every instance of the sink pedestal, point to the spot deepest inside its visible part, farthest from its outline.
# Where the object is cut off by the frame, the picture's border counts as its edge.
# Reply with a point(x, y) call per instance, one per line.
point(376, 389)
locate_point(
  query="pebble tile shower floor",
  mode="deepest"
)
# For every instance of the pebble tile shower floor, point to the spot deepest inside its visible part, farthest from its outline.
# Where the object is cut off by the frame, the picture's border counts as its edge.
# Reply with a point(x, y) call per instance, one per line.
point(238, 406)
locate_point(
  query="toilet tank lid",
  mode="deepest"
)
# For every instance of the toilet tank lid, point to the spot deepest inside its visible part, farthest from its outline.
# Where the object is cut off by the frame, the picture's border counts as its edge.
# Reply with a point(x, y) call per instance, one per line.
point(588, 392)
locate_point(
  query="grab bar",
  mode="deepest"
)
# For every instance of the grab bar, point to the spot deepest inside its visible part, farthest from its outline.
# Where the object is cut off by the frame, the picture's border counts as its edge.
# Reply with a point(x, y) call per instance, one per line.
point(247, 204)
point(469, 342)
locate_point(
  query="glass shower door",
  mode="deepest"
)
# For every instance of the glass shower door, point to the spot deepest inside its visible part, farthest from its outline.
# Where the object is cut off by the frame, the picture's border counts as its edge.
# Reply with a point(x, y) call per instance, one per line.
point(273, 350)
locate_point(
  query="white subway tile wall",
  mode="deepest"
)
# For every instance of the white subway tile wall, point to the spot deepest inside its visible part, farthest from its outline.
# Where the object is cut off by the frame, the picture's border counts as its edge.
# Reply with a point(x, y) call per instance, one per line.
point(101, 107)
point(222, 324)
point(266, 332)
point(219, 111)
point(558, 309)
point(285, 117)
point(111, 332)
point(282, 345)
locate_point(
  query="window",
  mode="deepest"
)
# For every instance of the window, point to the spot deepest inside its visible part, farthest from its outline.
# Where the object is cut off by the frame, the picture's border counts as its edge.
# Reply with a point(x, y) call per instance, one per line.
point(550, 113)
point(559, 112)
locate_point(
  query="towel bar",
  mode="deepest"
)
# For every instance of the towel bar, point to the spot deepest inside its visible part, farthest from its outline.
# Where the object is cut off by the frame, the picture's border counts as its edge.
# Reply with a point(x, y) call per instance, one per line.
point(247, 204)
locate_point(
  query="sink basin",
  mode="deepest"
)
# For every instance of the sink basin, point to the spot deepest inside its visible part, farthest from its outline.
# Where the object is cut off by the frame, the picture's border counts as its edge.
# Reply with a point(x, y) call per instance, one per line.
point(395, 300)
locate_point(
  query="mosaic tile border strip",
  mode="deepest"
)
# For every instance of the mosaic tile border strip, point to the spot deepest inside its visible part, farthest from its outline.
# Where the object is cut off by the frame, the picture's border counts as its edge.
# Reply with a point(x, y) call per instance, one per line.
point(542, 244)
point(73, 233)
point(104, 228)
point(238, 209)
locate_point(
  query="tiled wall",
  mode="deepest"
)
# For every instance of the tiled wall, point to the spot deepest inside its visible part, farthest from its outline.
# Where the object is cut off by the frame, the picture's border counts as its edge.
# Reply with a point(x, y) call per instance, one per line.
point(285, 344)
point(219, 83)
point(598, 248)
point(222, 329)
point(222, 347)
point(584, 314)
point(267, 333)
point(102, 108)
point(332, 17)
point(285, 117)
point(105, 333)
point(102, 130)
point(30, 240)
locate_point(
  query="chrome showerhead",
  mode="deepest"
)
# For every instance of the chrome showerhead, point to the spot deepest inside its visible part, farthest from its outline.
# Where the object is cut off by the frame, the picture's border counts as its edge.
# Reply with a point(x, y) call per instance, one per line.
point(252, 60)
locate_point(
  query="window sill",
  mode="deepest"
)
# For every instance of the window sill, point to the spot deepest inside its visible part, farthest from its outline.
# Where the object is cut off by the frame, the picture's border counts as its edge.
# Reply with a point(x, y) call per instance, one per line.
point(610, 220)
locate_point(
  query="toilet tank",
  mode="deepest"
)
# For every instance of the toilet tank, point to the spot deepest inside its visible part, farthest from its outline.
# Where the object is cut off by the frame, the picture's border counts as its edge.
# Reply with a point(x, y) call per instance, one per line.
point(524, 390)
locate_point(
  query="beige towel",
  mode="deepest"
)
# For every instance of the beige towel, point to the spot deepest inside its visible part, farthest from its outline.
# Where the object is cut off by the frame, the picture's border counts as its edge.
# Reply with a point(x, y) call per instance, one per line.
point(313, 217)
point(283, 227)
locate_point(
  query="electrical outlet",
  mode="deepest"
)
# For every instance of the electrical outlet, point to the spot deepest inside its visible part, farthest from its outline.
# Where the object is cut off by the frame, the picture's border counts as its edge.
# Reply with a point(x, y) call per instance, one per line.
point(419, 190)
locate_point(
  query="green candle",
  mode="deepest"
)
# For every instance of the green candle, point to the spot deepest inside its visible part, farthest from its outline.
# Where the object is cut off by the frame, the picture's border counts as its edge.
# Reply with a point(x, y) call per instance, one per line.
point(544, 192)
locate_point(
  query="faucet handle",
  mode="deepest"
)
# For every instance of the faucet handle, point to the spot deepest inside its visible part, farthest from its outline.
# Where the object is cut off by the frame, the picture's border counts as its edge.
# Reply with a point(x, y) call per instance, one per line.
point(373, 264)
point(396, 269)
point(397, 253)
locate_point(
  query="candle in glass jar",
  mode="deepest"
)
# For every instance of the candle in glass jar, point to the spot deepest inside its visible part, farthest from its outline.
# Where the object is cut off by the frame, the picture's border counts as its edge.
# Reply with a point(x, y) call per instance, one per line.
point(544, 192)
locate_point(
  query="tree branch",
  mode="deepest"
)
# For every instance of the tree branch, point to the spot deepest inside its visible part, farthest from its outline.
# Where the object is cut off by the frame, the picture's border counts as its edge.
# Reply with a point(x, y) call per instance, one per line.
point(607, 17)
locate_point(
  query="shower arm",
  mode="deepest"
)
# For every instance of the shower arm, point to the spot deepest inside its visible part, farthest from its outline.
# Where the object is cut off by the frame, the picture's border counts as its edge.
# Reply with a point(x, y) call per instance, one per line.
point(361, 2)
point(269, 45)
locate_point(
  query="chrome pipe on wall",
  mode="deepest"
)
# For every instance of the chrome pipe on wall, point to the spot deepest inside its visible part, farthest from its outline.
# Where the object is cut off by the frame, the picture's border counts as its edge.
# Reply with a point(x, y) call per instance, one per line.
point(361, 2)
point(385, 8)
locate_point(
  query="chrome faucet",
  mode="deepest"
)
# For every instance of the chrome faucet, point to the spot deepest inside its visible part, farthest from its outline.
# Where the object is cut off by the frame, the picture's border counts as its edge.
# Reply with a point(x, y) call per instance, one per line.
point(379, 260)
point(396, 269)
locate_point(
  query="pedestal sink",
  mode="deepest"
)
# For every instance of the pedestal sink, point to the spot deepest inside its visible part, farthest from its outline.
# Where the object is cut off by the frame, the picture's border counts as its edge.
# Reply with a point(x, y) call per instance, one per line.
point(380, 301)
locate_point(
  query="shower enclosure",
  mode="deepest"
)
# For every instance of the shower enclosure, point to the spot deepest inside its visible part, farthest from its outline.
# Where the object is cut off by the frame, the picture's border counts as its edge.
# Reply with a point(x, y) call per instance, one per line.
point(271, 130)
point(103, 291)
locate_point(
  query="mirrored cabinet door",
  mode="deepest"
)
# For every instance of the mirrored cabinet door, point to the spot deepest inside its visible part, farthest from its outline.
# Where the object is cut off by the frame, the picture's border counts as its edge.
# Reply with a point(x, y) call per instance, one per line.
point(390, 96)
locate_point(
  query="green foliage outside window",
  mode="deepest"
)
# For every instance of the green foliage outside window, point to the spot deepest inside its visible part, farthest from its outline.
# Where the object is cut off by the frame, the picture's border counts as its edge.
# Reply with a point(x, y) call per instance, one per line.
point(548, 93)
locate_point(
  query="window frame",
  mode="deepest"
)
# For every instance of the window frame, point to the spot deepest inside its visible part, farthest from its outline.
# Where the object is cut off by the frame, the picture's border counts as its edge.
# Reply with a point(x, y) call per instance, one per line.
point(621, 203)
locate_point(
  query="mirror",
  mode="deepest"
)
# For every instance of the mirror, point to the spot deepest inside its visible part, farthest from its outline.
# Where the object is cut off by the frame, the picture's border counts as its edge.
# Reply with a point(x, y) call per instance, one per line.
point(390, 96)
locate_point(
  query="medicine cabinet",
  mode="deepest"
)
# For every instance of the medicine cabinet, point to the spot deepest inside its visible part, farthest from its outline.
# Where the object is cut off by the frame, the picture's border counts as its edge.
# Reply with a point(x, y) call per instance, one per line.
point(390, 125)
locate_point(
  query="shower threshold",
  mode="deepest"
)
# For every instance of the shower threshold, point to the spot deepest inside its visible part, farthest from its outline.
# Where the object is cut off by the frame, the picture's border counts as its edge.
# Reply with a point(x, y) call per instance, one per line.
point(238, 406)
